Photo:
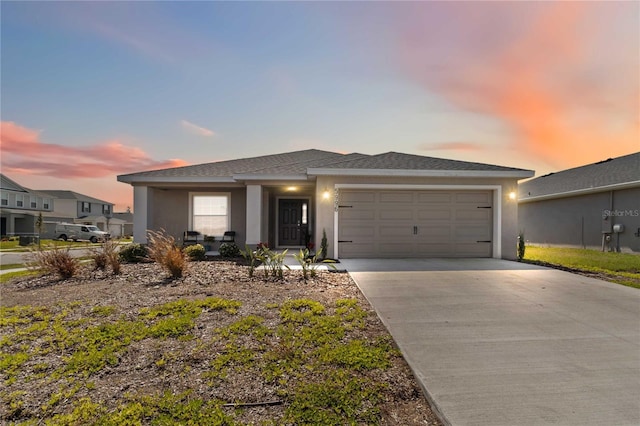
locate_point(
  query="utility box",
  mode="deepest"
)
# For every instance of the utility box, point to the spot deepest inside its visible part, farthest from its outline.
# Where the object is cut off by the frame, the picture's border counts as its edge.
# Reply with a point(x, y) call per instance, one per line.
point(618, 228)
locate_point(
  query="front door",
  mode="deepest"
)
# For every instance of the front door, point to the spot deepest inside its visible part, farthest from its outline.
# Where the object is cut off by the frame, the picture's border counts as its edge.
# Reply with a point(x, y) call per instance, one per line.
point(292, 221)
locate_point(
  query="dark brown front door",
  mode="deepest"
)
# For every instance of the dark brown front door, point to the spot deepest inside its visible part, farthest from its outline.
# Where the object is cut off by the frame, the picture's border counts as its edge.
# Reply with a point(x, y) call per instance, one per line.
point(292, 222)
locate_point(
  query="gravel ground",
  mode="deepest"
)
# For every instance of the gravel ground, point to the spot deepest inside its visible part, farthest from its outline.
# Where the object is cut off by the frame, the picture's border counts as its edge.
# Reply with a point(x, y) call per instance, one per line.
point(144, 285)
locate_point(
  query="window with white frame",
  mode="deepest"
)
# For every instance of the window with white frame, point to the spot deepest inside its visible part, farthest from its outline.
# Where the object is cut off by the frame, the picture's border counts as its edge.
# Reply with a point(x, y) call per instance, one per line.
point(210, 213)
point(33, 202)
point(106, 209)
point(45, 203)
point(86, 207)
point(19, 200)
point(5, 199)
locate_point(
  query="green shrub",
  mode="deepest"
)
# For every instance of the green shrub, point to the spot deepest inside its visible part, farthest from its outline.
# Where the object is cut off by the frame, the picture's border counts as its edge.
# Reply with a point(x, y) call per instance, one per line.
point(54, 261)
point(229, 250)
point(324, 245)
point(195, 252)
point(521, 246)
point(134, 253)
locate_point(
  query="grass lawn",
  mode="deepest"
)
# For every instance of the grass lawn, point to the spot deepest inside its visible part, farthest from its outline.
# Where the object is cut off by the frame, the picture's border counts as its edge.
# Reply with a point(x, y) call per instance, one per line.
point(621, 268)
point(14, 246)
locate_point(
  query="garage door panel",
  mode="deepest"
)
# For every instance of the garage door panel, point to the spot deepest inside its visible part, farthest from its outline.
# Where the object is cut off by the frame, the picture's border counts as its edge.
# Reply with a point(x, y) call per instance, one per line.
point(396, 231)
point(470, 232)
point(473, 197)
point(481, 215)
point(396, 197)
point(362, 233)
point(348, 250)
point(358, 214)
point(415, 223)
point(434, 197)
point(357, 197)
point(435, 231)
point(425, 214)
point(388, 214)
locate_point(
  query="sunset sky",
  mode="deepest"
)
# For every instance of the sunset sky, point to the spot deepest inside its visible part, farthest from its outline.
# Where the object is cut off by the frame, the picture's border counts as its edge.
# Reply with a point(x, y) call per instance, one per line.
point(90, 90)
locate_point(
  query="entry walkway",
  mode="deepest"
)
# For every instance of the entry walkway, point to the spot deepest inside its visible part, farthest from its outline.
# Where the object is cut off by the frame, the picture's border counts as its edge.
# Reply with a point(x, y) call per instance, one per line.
point(495, 342)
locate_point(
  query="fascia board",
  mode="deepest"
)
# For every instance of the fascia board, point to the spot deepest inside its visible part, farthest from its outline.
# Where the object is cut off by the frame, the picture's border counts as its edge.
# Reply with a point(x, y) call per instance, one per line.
point(521, 174)
point(586, 191)
point(175, 179)
point(270, 177)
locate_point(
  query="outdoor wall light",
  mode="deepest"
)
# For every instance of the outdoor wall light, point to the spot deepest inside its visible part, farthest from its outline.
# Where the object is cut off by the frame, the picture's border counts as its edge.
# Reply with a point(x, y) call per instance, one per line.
point(326, 194)
point(512, 195)
point(292, 188)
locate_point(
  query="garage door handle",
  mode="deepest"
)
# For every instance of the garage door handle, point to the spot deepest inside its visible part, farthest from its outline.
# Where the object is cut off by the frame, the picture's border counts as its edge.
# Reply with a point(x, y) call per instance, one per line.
point(415, 230)
point(483, 241)
point(345, 241)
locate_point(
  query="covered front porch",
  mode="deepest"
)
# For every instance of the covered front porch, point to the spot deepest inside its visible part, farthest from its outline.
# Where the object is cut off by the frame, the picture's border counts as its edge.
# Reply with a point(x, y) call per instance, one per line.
point(280, 214)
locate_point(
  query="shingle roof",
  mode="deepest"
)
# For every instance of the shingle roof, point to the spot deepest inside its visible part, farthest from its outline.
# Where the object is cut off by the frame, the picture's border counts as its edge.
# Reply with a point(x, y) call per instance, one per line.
point(10, 185)
point(399, 161)
point(298, 163)
point(71, 195)
point(603, 174)
point(284, 163)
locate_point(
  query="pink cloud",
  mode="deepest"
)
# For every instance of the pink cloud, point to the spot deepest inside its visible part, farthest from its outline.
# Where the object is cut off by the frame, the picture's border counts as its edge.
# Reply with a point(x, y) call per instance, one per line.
point(24, 153)
point(562, 76)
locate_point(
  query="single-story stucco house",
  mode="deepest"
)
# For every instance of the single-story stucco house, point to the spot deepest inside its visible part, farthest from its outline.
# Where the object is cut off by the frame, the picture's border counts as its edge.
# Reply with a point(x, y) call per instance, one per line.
point(594, 206)
point(385, 205)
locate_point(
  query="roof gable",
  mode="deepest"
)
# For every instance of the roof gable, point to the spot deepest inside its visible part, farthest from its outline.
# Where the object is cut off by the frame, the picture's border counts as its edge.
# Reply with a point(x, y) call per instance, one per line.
point(10, 185)
point(71, 195)
point(602, 176)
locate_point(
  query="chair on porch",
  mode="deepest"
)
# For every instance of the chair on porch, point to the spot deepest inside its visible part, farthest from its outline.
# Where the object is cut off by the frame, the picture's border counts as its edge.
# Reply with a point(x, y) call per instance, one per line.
point(229, 237)
point(190, 238)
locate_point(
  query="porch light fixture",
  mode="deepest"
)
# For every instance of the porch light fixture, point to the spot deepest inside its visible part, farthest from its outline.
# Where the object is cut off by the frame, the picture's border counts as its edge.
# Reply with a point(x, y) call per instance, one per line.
point(512, 195)
point(292, 188)
point(326, 194)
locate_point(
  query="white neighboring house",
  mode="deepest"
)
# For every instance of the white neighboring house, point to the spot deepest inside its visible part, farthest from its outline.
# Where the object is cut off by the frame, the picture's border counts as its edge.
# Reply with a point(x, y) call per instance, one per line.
point(82, 209)
point(20, 207)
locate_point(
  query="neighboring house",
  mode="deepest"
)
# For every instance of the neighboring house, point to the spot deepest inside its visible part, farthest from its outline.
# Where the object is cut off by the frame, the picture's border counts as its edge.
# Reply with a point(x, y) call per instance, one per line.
point(20, 207)
point(582, 206)
point(126, 228)
point(386, 205)
point(82, 208)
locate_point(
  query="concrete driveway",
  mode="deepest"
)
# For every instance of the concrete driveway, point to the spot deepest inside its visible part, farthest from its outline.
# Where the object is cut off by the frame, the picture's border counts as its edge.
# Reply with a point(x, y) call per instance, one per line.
point(495, 342)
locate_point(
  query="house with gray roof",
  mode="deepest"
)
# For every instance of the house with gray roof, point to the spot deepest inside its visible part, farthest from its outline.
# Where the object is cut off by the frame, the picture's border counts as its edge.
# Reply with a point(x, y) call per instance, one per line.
point(20, 207)
point(593, 206)
point(385, 205)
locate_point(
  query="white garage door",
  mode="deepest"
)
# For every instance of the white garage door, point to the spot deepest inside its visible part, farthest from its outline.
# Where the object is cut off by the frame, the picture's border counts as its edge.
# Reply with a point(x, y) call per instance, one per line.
point(394, 223)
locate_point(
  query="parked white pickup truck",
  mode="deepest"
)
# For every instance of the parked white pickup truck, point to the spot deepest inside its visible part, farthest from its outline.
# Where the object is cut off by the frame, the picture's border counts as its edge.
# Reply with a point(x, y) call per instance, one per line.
point(75, 232)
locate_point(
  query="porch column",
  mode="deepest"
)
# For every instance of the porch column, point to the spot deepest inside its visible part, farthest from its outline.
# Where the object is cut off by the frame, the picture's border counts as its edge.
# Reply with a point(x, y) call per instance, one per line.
point(254, 214)
point(140, 214)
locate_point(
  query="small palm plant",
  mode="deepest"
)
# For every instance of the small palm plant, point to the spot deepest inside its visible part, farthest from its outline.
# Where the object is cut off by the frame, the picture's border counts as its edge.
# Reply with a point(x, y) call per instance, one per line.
point(310, 264)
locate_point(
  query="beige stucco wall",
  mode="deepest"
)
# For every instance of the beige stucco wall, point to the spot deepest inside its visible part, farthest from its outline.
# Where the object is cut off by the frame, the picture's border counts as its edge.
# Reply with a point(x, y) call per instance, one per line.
point(509, 208)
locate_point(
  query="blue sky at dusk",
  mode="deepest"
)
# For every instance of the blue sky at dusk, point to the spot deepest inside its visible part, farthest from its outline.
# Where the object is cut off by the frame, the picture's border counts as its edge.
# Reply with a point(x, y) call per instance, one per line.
point(90, 90)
